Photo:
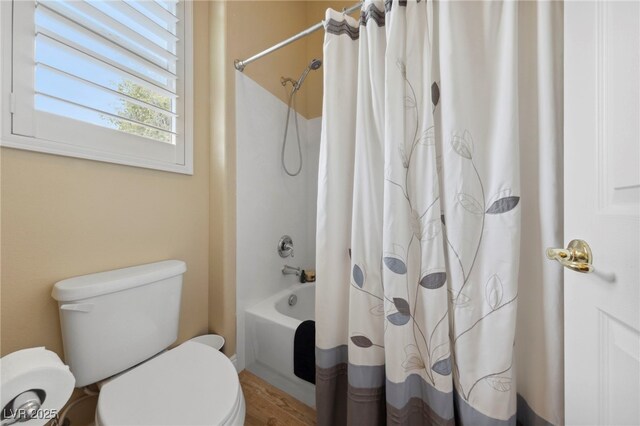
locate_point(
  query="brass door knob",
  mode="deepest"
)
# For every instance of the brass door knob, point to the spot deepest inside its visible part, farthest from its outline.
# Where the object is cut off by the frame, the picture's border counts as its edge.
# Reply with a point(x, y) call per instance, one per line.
point(577, 256)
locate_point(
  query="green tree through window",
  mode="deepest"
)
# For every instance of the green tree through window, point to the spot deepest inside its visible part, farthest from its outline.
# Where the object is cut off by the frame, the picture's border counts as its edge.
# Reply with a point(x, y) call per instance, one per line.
point(149, 116)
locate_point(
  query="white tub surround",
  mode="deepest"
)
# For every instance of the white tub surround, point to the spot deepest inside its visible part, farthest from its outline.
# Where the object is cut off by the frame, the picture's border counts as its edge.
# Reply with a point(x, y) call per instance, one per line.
point(270, 204)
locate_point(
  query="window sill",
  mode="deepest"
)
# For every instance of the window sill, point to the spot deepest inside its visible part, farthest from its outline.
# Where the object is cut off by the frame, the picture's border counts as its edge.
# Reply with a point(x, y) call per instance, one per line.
point(56, 148)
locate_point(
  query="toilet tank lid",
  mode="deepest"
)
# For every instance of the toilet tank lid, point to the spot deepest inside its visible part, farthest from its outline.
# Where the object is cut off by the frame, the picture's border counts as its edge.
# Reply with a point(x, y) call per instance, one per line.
point(100, 283)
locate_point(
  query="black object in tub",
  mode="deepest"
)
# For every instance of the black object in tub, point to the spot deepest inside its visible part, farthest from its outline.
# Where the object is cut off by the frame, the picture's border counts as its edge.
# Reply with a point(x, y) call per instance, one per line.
point(304, 351)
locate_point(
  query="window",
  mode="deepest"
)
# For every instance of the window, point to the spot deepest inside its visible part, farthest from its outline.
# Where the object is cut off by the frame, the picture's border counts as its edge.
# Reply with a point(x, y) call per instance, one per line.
point(104, 80)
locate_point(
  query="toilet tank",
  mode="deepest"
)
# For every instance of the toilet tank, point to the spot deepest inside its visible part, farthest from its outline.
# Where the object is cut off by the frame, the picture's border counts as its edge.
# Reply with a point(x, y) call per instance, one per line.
point(114, 320)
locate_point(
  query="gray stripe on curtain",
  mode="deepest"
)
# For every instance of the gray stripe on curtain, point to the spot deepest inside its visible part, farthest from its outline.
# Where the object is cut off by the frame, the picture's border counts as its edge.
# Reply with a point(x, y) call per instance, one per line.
point(402, 397)
point(327, 358)
point(467, 415)
point(339, 403)
point(413, 396)
point(528, 417)
point(399, 395)
point(366, 376)
point(372, 13)
point(360, 376)
point(341, 27)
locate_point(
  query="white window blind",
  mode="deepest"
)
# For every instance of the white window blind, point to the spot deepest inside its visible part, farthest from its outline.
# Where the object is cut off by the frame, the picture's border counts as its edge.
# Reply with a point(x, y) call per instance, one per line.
point(108, 79)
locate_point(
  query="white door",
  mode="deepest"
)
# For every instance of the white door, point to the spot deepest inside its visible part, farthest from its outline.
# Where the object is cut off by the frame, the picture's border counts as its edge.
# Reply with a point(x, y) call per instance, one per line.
point(602, 207)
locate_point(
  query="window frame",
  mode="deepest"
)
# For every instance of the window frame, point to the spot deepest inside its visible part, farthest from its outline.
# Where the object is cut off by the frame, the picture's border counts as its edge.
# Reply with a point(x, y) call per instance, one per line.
point(68, 137)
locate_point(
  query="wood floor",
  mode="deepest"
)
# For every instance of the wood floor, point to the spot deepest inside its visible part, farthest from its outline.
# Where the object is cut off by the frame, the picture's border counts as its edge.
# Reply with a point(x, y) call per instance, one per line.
point(267, 405)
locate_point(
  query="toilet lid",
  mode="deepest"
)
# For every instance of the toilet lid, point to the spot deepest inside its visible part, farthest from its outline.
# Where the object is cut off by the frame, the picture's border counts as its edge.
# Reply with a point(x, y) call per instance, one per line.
point(192, 384)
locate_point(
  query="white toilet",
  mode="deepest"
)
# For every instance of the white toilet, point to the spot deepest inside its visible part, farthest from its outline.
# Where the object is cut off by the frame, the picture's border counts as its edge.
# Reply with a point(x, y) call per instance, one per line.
point(113, 321)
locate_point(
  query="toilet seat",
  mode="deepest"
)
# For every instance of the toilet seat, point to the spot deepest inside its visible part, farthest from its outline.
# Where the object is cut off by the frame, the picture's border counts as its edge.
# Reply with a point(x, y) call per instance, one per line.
point(192, 384)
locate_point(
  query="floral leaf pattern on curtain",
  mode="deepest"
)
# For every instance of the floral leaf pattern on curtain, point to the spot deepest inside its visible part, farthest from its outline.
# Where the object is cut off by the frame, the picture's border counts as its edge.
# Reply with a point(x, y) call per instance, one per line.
point(503, 205)
point(431, 302)
point(434, 280)
point(358, 276)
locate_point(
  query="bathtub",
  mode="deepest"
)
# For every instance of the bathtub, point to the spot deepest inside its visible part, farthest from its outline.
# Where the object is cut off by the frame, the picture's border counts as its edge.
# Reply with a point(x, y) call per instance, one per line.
point(270, 328)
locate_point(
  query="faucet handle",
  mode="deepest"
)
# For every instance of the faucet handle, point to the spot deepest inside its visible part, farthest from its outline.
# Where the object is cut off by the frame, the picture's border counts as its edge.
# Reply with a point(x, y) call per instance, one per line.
point(285, 246)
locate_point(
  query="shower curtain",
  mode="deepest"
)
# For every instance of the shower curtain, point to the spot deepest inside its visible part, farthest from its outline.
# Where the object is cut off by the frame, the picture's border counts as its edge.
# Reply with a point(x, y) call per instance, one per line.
point(438, 119)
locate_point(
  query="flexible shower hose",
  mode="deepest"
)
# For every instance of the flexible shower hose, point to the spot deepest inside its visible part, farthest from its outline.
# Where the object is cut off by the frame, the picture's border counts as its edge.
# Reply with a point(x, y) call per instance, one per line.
point(292, 99)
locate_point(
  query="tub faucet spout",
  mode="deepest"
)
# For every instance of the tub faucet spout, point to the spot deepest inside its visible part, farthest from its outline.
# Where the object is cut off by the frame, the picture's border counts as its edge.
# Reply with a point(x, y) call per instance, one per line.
point(288, 270)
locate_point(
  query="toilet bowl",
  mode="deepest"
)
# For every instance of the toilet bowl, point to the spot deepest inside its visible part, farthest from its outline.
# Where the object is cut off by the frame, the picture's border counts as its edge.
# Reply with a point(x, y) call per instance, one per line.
point(116, 327)
point(198, 384)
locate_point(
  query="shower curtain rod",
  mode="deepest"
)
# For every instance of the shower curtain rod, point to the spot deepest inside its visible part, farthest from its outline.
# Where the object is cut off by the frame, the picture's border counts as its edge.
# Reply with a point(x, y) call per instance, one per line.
point(240, 65)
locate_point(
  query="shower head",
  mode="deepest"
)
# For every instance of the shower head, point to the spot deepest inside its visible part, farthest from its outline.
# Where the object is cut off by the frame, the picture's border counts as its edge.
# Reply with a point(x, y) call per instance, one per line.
point(313, 65)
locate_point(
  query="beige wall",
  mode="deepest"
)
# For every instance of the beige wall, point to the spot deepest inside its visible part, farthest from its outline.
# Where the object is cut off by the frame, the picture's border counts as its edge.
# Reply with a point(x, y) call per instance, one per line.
point(256, 25)
point(62, 217)
point(253, 26)
point(240, 29)
point(222, 290)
